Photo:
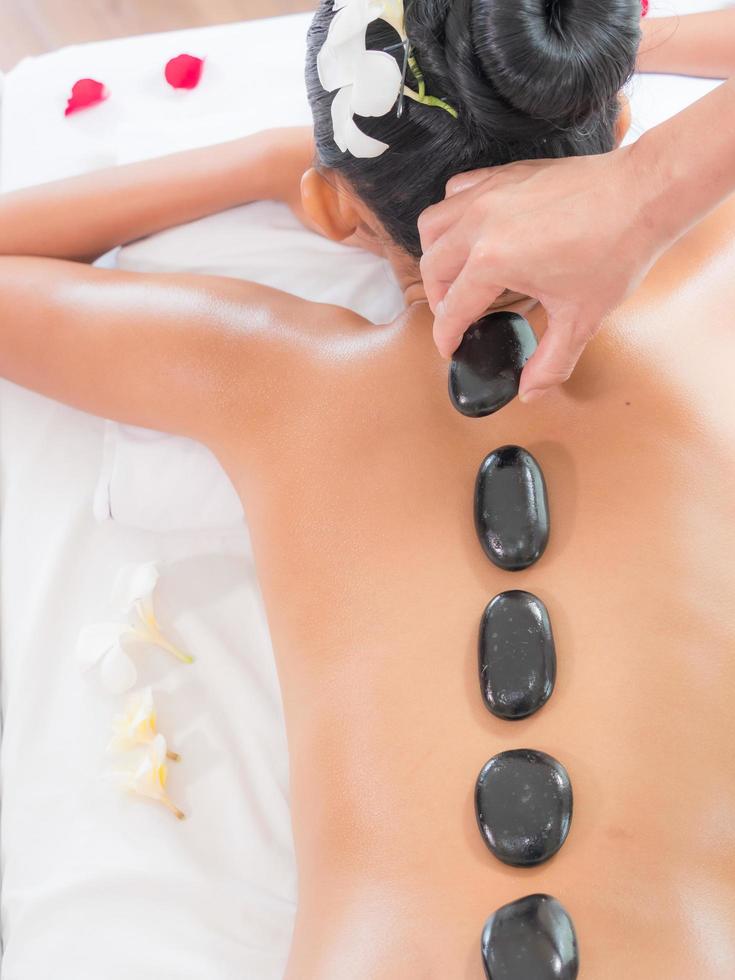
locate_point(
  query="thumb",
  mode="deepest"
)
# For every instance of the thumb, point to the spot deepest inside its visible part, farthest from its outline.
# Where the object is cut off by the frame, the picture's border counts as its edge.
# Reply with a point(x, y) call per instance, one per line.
point(467, 298)
point(555, 359)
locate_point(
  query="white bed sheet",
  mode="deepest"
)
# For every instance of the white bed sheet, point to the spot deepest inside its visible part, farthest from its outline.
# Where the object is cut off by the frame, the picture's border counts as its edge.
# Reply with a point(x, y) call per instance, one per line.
point(95, 886)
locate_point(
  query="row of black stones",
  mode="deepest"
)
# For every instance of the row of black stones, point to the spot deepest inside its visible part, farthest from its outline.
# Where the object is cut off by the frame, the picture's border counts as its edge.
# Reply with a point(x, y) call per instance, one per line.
point(523, 798)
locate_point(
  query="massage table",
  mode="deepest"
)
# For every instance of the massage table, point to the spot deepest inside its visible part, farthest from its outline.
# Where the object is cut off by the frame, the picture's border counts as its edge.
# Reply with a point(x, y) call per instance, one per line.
point(97, 885)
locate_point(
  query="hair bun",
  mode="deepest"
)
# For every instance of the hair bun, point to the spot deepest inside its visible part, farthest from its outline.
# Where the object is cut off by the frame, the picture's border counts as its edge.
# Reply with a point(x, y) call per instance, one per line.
point(513, 64)
point(556, 60)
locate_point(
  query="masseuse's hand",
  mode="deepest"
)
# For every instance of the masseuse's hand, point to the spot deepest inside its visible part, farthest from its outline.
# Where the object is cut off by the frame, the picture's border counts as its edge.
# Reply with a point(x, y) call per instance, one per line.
point(576, 234)
point(570, 233)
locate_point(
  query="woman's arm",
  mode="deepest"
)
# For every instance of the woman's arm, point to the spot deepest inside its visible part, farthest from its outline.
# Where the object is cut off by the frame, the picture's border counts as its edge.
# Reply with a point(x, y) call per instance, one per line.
point(200, 356)
point(82, 218)
point(696, 44)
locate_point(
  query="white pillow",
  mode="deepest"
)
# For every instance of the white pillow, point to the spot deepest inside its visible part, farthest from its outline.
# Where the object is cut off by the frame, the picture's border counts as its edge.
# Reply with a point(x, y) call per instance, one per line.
point(162, 483)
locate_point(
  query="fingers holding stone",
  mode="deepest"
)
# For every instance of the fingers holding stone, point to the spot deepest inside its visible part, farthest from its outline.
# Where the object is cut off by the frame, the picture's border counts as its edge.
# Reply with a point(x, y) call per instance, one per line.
point(557, 355)
point(471, 294)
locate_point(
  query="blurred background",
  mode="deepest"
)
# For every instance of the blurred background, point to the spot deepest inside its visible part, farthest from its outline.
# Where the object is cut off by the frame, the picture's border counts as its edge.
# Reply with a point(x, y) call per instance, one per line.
point(29, 27)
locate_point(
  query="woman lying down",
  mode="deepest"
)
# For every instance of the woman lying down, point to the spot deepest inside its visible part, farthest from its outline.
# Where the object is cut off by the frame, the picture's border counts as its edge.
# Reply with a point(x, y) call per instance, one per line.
point(432, 808)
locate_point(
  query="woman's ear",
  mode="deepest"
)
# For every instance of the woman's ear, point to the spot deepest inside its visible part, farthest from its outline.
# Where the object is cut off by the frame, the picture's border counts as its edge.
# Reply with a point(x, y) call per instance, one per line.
point(622, 124)
point(327, 207)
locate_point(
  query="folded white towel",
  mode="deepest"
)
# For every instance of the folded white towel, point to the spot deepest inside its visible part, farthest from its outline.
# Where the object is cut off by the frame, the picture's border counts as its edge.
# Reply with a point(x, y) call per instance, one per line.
point(152, 481)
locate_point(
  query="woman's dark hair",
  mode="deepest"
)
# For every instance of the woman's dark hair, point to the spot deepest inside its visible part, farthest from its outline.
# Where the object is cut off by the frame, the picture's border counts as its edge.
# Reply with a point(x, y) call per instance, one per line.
point(529, 79)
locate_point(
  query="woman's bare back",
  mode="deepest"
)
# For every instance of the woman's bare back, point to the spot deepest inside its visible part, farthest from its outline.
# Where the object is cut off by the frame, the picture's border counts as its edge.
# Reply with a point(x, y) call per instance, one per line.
point(359, 495)
point(357, 476)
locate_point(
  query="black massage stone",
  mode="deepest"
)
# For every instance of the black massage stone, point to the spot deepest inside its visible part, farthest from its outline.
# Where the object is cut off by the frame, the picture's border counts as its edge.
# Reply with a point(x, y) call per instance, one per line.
point(531, 939)
point(486, 367)
point(516, 655)
point(523, 800)
point(511, 508)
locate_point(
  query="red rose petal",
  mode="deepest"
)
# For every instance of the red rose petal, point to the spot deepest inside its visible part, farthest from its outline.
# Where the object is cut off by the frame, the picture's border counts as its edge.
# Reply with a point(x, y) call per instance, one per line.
point(184, 71)
point(644, 5)
point(86, 92)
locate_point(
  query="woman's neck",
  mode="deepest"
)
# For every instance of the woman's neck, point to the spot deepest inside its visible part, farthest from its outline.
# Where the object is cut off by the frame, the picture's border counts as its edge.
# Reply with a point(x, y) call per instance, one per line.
point(408, 274)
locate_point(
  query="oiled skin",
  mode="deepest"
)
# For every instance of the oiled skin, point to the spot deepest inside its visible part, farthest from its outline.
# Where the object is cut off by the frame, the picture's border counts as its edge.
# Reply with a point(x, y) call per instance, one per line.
point(357, 476)
point(359, 496)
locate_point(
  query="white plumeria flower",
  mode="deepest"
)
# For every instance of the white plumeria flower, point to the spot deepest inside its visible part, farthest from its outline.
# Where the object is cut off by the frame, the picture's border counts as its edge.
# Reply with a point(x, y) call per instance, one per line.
point(135, 586)
point(102, 643)
point(134, 591)
point(137, 726)
point(107, 644)
point(368, 83)
point(393, 12)
point(149, 777)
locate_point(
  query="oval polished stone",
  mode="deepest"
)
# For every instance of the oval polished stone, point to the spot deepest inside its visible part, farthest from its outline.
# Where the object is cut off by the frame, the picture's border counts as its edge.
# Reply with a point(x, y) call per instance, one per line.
point(486, 367)
point(531, 939)
point(517, 659)
point(523, 800)
point(511, 508)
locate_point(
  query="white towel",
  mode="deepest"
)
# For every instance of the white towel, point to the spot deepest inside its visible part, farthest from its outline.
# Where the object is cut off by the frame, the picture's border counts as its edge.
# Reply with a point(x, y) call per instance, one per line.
point(191, 491)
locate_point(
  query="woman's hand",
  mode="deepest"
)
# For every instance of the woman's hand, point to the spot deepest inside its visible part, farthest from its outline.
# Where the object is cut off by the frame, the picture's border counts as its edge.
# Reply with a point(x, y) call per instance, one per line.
point(572, 233)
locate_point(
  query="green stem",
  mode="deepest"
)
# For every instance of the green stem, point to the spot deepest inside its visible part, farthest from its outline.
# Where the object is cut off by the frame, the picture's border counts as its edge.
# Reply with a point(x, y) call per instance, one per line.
point(417, 74)
point(155, 636)
point(430, 100)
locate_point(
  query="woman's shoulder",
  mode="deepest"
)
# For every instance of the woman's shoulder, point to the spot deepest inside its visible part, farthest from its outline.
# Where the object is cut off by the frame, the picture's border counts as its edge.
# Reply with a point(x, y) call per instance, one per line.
point(283, 359)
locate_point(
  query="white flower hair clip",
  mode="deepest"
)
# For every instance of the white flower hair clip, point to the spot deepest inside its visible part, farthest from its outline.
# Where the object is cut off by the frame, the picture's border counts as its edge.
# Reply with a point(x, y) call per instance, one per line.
point(368, 83)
